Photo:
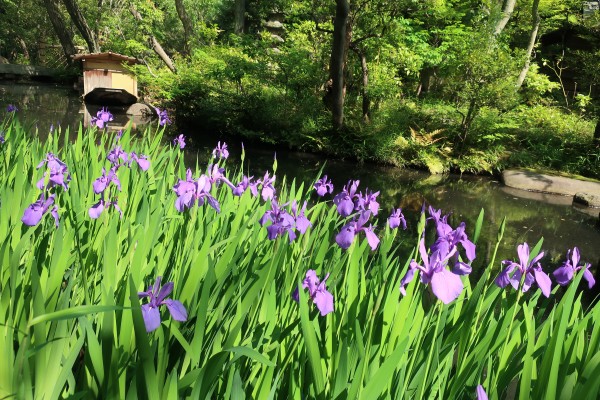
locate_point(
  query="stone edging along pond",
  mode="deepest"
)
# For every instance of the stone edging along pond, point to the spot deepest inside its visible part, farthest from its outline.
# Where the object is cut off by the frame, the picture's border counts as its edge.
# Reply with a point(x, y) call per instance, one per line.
point(584, 192)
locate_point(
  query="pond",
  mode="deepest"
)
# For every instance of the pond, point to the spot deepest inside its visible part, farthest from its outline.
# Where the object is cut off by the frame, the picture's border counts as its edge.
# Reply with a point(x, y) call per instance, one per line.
point(529, 216)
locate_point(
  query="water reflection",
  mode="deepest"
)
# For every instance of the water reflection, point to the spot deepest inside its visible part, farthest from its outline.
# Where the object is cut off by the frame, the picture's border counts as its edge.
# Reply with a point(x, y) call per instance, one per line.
point(43, 105)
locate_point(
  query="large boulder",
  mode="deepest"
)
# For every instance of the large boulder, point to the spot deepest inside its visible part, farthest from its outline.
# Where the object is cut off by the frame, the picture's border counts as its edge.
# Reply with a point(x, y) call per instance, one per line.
point(587, 199)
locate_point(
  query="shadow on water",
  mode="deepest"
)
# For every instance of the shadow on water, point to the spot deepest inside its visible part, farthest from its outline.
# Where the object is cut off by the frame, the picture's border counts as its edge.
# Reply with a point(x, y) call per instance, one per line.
point(530, 216)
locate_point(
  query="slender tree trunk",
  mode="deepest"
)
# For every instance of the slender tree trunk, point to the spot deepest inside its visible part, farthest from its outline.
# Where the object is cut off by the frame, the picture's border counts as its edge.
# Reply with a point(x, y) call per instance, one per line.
point(98, 16)
point(507, 11)
point(188, 26)
point(58, 23)
point(366, 101)
point(535, 15)
point(82, 26)
point(154, 43)
point(337, 63)
point(425, 78)
point(239, 16)
point(597, 132)
point(24, 49)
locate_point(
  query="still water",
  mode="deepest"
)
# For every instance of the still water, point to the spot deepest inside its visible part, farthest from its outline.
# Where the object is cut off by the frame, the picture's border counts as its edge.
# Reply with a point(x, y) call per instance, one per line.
point(529, 216)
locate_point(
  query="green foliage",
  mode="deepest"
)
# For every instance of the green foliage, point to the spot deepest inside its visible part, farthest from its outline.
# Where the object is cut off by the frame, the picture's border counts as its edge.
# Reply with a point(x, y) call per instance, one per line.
point(72, 324)
point(537, 86)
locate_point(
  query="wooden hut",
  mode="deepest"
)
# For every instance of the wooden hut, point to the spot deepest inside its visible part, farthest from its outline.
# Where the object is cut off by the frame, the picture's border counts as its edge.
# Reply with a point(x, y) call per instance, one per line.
point(106, 81)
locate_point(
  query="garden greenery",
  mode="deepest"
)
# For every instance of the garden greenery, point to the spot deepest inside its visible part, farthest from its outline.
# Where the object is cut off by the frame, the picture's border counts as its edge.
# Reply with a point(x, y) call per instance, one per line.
point(263, 298)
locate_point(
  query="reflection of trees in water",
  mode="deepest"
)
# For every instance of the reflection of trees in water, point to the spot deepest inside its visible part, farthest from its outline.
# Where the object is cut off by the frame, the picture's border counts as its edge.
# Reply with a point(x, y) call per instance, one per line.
point(43, 105)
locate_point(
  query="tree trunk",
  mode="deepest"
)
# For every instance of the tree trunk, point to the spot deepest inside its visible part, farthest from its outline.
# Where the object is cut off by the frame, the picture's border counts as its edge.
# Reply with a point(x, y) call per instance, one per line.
point(425, 79)
point(337, 63)
point(84, 29)
point(154, 43)
point(535, 15)
point(188, 26)
point(507, 11)
point(24, 48)
point(58, 23)
point(99, 11)
point(239, 16)
point(597, 133)
point(366, 101)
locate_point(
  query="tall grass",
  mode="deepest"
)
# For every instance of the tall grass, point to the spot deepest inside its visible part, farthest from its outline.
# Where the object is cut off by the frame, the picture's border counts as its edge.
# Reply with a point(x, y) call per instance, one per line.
point(71, 324)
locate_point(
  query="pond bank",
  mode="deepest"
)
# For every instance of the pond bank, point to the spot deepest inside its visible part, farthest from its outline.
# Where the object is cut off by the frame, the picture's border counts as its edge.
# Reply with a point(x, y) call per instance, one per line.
point(585, 192)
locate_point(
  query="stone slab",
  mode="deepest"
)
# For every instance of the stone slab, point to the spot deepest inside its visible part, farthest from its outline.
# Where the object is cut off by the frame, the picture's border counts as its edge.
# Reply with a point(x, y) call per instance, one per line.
point(546, 183)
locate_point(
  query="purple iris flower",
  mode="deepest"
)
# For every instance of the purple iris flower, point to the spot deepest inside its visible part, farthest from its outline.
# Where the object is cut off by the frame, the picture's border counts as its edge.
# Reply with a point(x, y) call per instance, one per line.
point(96, 210)
point(253, 186)
point(317, 291)
point(117, 156)
point(368, 201)
point(446, 285)
point(564, 274)
point(34, 213)
point(281, 222)
point(163, 117)
point(216, 175)
point(242, 186)
point(58, 171)
point(11, 108)
point(221, 151)
point(179, 141)
point(481, 394)
point(346, 236)
point(323, 186)
point(2, 139)
point(449, 238)
point(190, 191)
point(345, 199)
point(267, 191)
point(157, 295)
point(102, 118)
point(300, 221)
point(531, 269)
point(396, 219)
point(102, 183)
point(141, 160)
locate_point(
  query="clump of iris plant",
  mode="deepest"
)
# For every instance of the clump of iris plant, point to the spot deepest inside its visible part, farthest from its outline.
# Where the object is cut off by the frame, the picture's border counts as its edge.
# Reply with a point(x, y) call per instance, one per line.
point(108, 184)
point(243, 185)
point(317, 291)
point(367, 202)
point(396, 219)
point(220, 151)
point(564, 274)
point(179, 141)
point(531, 270)
point(350, 200)
point(344, 201)
point(163, 117)
point(102, 118)
point(157, 297)
point(267, 190)
point(56, 174)
point(198, 191)
point(349, 231)
point(445, 284)
point(323, 186)
point(283, 221)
